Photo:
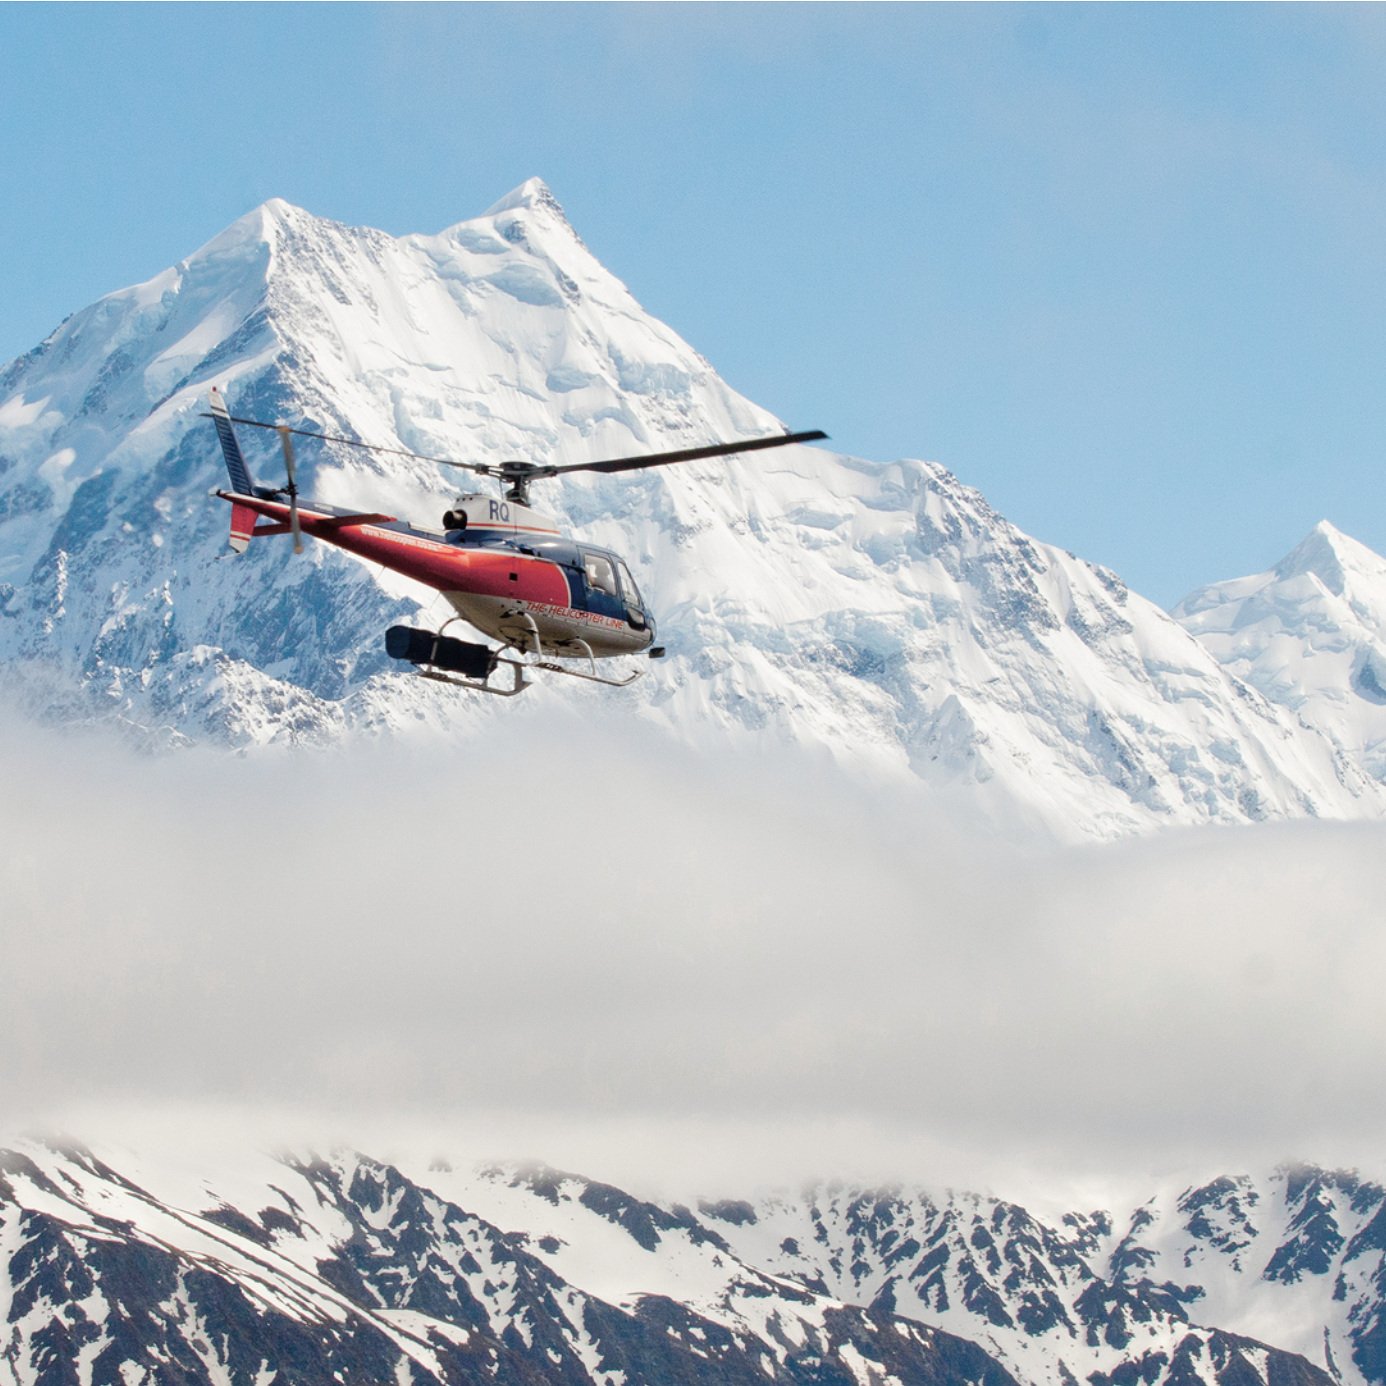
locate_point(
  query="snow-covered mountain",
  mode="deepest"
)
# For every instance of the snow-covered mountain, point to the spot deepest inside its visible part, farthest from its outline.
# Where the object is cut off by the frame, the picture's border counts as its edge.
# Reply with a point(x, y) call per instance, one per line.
point(1310, 635)
point(1291, 1258)
point(127, 1270)
point(881, 612)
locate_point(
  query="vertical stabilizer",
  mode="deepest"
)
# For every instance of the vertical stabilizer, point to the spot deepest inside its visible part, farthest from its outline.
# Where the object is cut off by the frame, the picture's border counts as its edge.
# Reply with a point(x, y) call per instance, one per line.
point(243, 520)
point(241, 483)
point(242, 516)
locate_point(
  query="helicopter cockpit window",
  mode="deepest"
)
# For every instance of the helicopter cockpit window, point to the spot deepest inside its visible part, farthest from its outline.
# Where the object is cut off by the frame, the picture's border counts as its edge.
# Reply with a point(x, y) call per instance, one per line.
point(629, 589)
point(600, 575)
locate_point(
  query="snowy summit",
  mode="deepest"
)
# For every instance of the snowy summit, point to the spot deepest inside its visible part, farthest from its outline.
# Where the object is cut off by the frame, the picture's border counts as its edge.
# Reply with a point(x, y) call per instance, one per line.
point(1310, 634)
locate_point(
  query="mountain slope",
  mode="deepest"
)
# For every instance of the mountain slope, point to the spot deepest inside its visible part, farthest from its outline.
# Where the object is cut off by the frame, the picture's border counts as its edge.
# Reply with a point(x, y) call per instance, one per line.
point(1293, 1258)
point(1297, 1253)
point(881, 612)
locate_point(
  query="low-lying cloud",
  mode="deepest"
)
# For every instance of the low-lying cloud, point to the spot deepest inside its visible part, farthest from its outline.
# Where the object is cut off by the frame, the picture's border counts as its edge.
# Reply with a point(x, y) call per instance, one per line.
point(607, 951)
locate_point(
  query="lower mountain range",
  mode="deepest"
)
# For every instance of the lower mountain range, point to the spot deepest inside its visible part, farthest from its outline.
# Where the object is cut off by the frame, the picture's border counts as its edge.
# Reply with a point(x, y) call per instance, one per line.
point(312, 1268)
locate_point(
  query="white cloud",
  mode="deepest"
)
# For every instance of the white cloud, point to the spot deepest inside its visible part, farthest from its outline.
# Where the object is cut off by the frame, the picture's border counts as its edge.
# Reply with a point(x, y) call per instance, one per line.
point(605, 952)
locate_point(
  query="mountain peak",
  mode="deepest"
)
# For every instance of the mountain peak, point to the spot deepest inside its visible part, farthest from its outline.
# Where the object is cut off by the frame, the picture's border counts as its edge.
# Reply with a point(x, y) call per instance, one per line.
point(261, 225)
point(1331, 556)
point(277, 209)
point(532, 194)
point(271, 213)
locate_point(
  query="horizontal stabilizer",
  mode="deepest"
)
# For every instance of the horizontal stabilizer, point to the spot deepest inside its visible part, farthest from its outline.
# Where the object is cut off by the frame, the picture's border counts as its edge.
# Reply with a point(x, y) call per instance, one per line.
point(342, 521)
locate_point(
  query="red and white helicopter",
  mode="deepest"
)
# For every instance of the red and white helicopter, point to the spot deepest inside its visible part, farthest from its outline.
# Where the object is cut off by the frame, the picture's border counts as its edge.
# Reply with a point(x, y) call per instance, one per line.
point(507, 570)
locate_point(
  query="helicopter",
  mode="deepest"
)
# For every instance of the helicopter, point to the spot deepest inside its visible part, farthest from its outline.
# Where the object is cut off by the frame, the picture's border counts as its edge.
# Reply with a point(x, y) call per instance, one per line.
point(507, 570)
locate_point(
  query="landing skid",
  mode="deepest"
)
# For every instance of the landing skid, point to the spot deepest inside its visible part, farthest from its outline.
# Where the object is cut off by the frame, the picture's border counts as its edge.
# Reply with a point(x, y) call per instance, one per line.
point(521, 666)
point(550, 667)
point(481, 686)
point(471, 666)
point(533, 646)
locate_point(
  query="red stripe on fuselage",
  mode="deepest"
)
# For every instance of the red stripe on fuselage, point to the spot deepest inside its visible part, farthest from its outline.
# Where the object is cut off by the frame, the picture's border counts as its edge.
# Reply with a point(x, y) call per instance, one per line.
point(447, 567)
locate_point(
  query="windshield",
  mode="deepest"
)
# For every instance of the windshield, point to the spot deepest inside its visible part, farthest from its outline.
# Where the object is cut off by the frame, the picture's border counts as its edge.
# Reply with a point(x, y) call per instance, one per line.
point(628, 587)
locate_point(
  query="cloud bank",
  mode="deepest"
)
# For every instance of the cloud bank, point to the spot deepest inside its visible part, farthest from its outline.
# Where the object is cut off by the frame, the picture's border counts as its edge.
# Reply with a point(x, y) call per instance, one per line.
point(609, 953)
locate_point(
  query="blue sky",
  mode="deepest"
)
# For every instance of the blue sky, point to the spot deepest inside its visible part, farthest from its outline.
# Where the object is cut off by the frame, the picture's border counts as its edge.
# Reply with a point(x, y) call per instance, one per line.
point(1119, 267)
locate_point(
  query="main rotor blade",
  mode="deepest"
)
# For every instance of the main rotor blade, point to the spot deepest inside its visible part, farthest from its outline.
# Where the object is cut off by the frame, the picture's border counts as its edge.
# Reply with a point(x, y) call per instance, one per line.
point(483, 468)
point(660, 459)
point(288, 446)
point(534, 471)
